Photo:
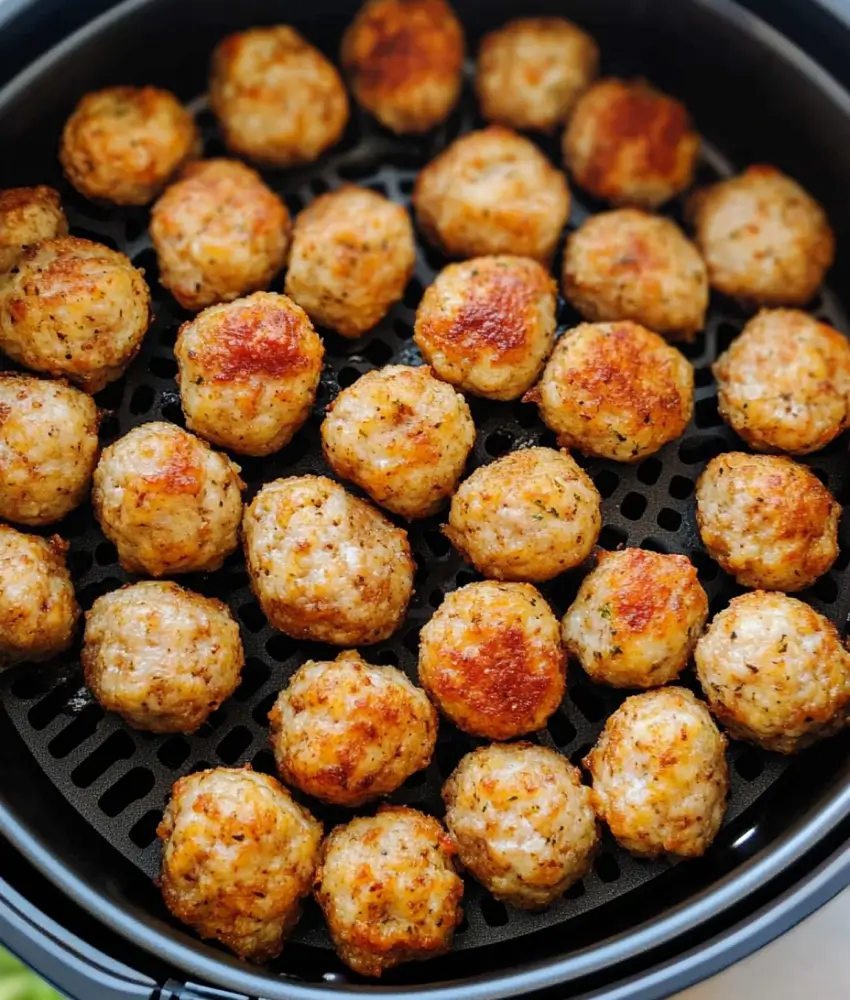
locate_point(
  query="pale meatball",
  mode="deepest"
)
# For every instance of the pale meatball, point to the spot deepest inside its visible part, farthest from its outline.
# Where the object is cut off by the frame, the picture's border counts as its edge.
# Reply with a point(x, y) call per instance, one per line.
point(352, 257)
point(487, 325)
point(278, 100)
point(775, 672)
point(238, 855)
point(627, 264)
point(660, 778)
point(388, 889)
point(615, 390)
point(636, 618)
point(38, 609)
point(28, 215)
point(527, 516)
point(168, 502)
point(326, 565)
point(401, 435)
point(491, 659)
point(219, 233)
point(531, 71)
point(630, 144)
point(404, 60)
point(784, 383)
point(522, 821)
point(125, 143)
point(162, 657)
point(764, 239)
point(347, 731)
point(492, 192)
point(48, 448)
point(74, 309)
point(248, 372)
point(768, 521)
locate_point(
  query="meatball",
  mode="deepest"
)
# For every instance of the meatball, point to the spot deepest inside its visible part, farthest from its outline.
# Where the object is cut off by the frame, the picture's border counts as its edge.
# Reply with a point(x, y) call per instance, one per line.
point(764, 239)
point(487, 325)
point(48, 448)
point(326, 565)
point(352, 257)
point(627, 264)
point(38, 609)
point(660, 778)
point(522, 821)
point(491, 659)
point(492, 192)
point(775, 672)
point(168, 502)
point(768, 521)
point(784, 384)
point(278, 100)
point(636, 618)
point(388, 889)
point(125, 143)
point(219, 233)
point(347, 731)
point(531, 71)
point(615, 390)
point(527, 516)
point(162, 657)
point(74, 309)
point(404, 60)
point(401, 435)
point(238, 855)
point(28, 215)
point(630, 144)
point(248, 372)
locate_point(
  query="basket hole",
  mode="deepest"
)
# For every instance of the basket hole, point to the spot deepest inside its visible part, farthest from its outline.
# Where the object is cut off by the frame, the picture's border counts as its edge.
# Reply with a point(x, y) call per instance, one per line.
point(822, 475)
point(606, 868)
point(588, 702)
point(406, 185)
point(378, 353)
point(611, 537)
point(826, 590)
point(347, 376)
point(633, 506)
point(654, 545)
point(116, 747)
point(386, 657)
point(82, 728)
point(843, 560)
point(234, 744)
point(89, 594)
point(525, 414)
point(437, 542)
point(142, 399)
point(561, 729)
point(411, 639)
point(649, 471)
point(213, 721)
point(575, 891)
point(109, 429)
point(32, 683)
point(703, 377)
point(110, 397)
point(726, 333)
point(263, 707)
point(95, 237)
point(252, 617)
point(294, 202)
point(494, 912)
point(174, 752)
point(694, 350)
point(498, 443)
point(464, 577)
point(707, 568)
point(695, 450)
point(669, 519)
point(435, 598)
point(263, 761)
point(80, 562)
point(413, 293)
point(255, 673)
point(163, 367)
point(43, 713)
point(680, 488)
point(281, 647)
point(606, 482)
point(577, 756)
point(749, 763)
point(171, 409)
point(422, 570)
point(402, 330)
point(706, 413)
point(451, 746)
point(143, 831)
point(318, 185)
point(106, 554)
point(129, 788)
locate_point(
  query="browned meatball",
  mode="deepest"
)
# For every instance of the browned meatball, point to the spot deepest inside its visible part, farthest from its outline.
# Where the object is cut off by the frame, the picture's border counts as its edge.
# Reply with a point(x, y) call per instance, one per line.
point(28, 215)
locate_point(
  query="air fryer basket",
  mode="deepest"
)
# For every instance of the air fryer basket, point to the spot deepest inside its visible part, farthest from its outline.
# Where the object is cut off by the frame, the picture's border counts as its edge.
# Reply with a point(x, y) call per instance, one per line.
point(91, 791)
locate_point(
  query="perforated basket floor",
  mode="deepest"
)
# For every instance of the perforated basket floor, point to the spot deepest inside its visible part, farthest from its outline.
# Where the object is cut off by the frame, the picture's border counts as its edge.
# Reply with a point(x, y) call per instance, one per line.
point(118, 779)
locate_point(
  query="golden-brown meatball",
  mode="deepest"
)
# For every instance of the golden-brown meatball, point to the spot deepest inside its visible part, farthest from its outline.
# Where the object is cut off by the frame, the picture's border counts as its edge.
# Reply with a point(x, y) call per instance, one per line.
point(492, 192)
point(347, 731)
point(125, 143)
point(326, 565)
point(352, 257)
point(764, 239)
point(162, 657)
point(388, 889)
point(636, 618)
point(248, 372)
point(660, 778)
point(168, 502)
point(768, 521)
point(404, 60)
point(401, 435)
point(28, 215)
point(278, 100)
point(38, 609)
point(238, 855)
point(615, 390)
point(522, 821)
point(630, 144)
point(628, 264)
point(219, 233)
point(491, 659)
point(74, 309)
point(775, 672)
point(527, 516)
point(784, 383)
point(531, 71)
point(487, 325)
point(48, 448)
